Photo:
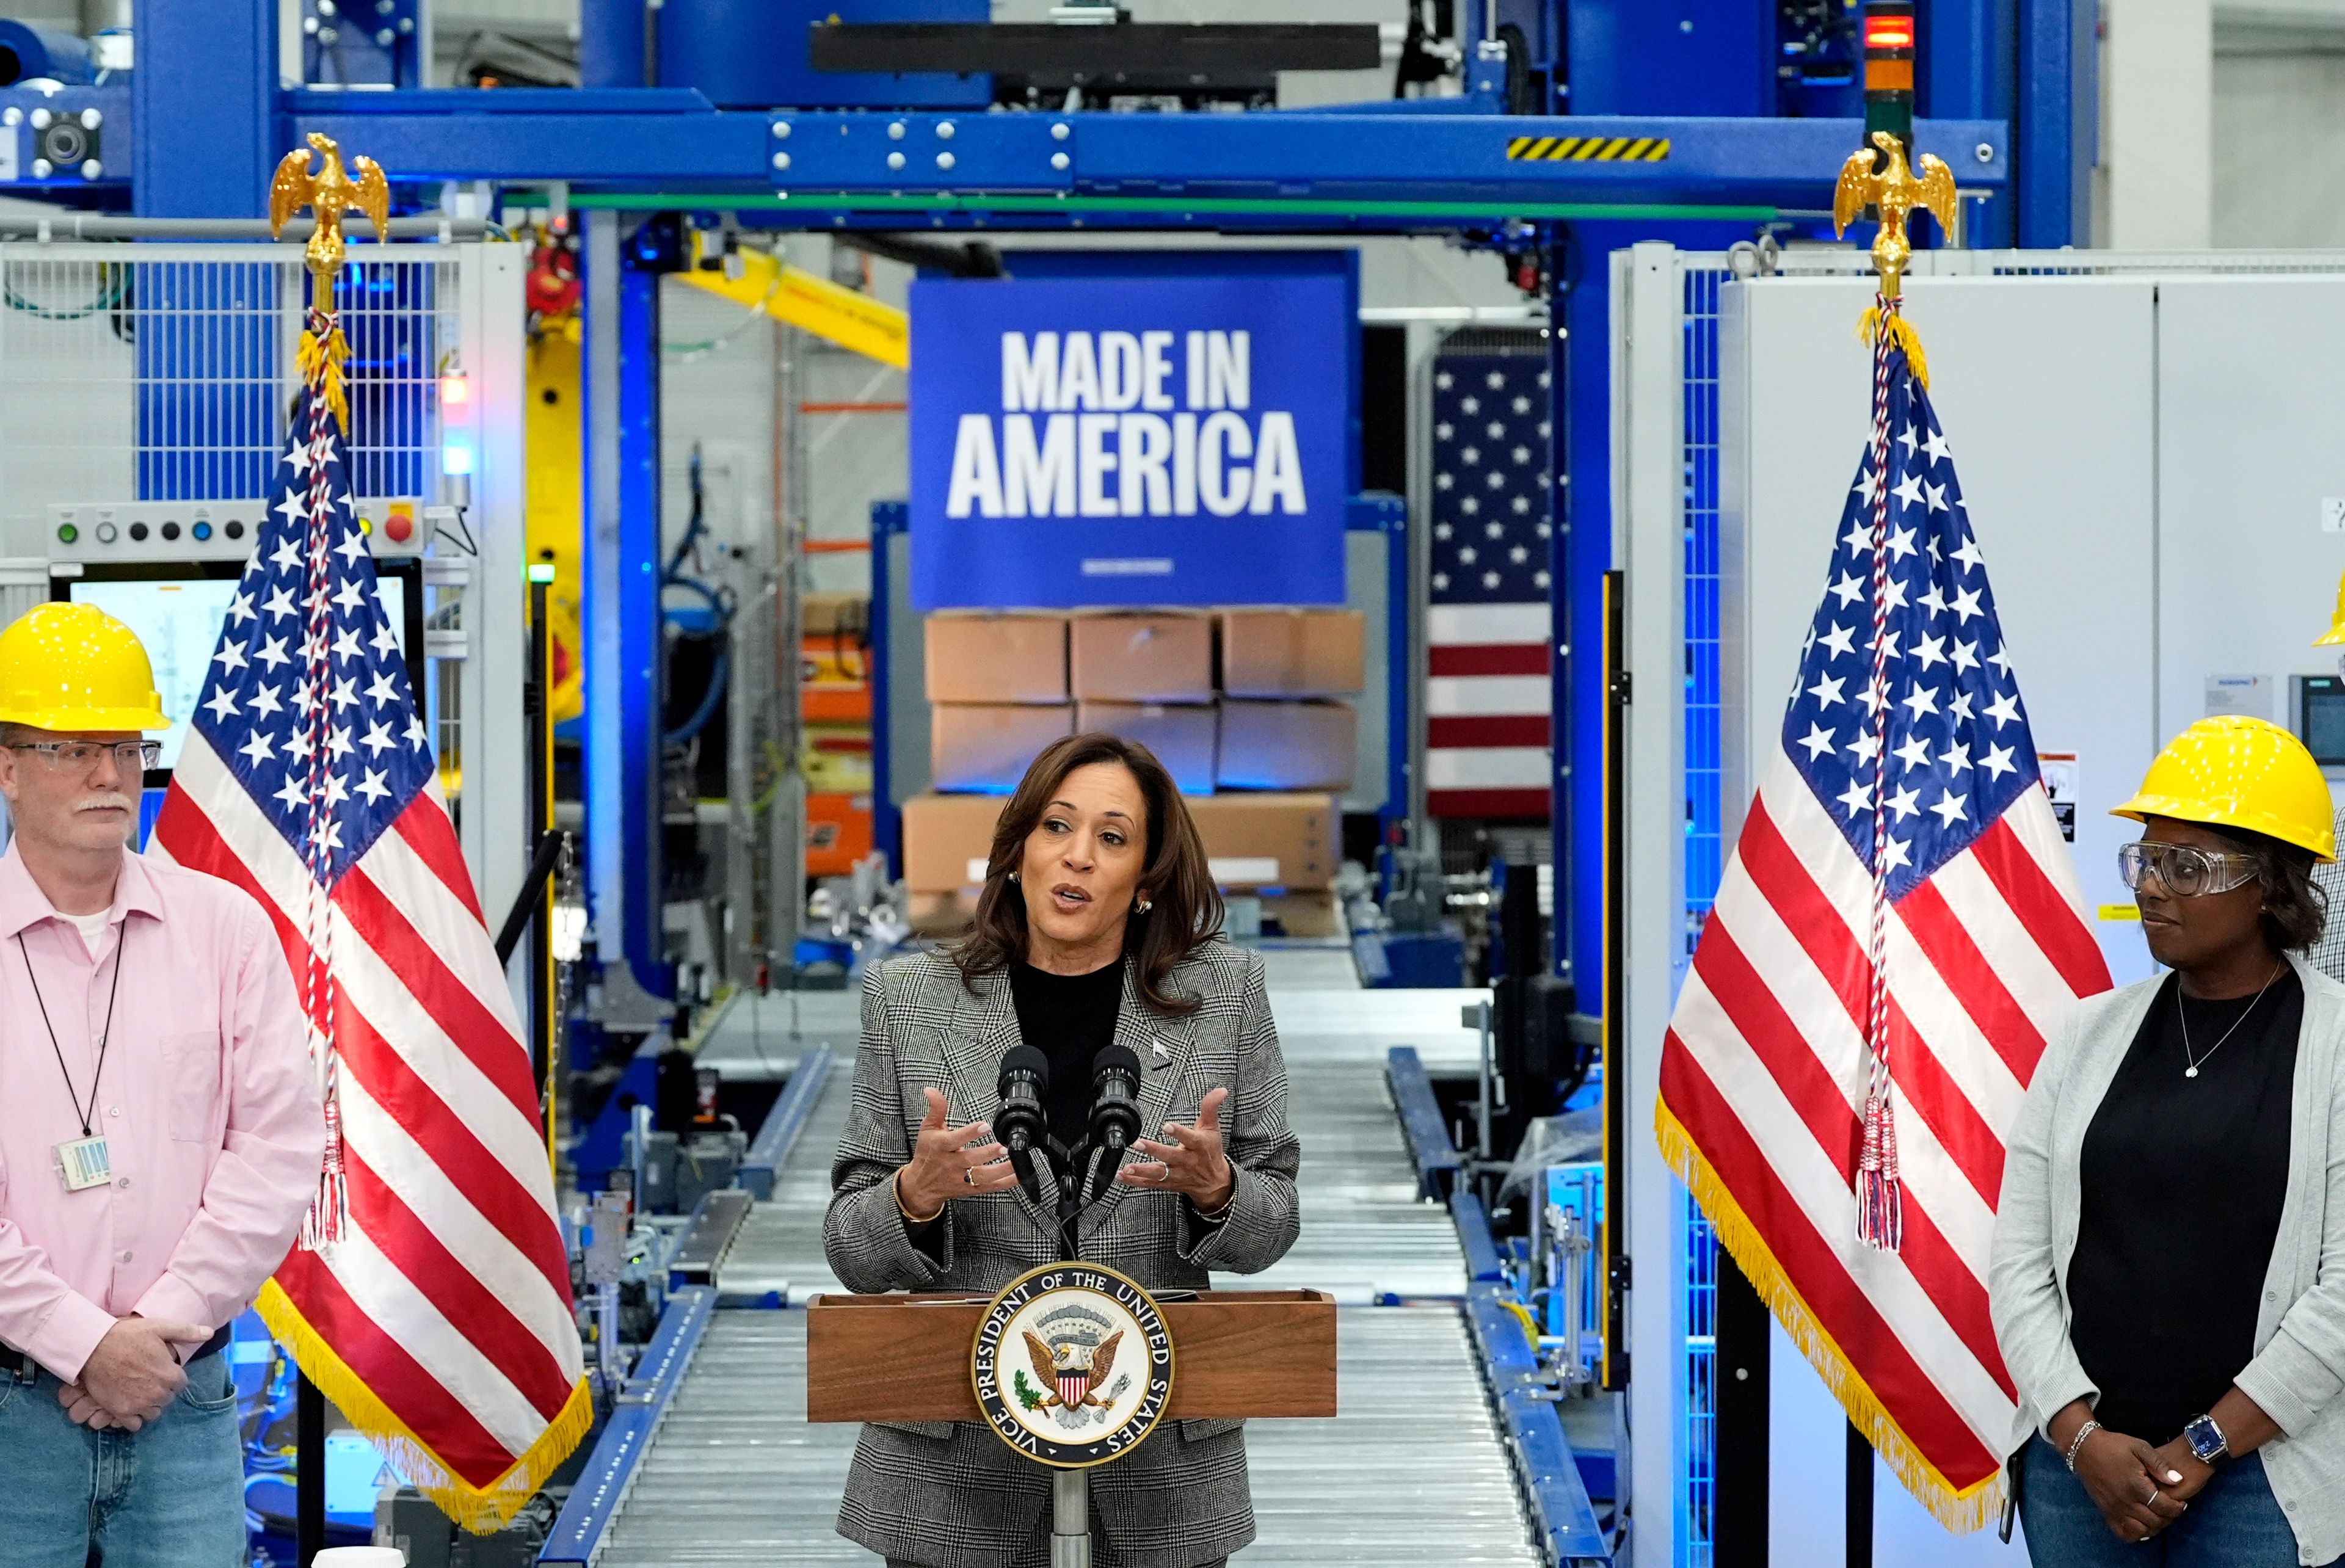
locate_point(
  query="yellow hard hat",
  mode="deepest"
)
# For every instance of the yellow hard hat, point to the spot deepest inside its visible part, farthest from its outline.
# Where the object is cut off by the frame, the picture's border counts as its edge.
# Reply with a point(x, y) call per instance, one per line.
point(67, 667)
point(2243, 773)
point(2336, 621)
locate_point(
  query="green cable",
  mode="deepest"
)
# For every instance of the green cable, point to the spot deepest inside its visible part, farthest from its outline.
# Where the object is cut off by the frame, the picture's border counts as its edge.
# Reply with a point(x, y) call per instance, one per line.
point(1190, 207)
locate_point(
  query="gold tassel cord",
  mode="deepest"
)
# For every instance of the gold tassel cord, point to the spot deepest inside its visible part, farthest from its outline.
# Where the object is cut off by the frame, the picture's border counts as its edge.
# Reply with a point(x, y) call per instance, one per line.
point(1961, 1509)
point(482, 1510)
point(1903, 333)
point(320, 364)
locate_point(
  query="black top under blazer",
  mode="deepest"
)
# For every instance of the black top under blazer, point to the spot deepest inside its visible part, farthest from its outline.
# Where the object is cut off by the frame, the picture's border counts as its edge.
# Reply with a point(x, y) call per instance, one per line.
point(953, 1495)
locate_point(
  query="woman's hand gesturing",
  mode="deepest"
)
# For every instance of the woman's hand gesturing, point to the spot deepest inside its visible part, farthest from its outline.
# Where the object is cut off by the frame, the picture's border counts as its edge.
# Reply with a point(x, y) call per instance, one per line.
point(2124, 1479)
point(950, 1162)
point(1193, 1163)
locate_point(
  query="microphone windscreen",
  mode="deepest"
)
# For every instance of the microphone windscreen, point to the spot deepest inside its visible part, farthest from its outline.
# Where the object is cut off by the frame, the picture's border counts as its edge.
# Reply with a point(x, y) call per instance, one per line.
point(1023, 1061)
point(1118, 1061)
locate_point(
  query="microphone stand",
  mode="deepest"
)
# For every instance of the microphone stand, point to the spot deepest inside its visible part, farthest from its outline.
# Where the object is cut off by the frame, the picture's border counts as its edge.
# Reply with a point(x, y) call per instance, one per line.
point(1071, 1490)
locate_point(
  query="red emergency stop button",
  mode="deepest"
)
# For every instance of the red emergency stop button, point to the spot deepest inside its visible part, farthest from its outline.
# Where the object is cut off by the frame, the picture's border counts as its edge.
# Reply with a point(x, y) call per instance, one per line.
point(400, 525)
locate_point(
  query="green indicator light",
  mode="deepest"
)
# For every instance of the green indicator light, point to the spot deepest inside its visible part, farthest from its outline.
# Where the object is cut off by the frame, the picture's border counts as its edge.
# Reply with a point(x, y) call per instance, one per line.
point(540, 574)
point(67, 533)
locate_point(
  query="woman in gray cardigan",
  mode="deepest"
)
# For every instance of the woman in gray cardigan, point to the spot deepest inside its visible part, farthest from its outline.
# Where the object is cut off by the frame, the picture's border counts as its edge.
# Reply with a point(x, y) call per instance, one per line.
point(1099, 924)
point(2168, 1270)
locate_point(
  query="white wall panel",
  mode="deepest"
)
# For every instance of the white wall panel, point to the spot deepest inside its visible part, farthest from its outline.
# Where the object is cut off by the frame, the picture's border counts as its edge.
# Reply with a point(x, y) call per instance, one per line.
point(2249, 410)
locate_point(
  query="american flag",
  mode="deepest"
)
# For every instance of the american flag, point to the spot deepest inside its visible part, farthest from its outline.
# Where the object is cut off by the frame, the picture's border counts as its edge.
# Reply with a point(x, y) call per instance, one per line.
point(431, 1296)
point(1919, 761)
point(1488, 701)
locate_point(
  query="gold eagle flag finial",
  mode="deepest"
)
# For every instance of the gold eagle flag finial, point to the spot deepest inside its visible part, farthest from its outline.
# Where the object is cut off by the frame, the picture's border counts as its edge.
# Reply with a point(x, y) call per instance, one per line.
point(330, 193)
point(1895, 190)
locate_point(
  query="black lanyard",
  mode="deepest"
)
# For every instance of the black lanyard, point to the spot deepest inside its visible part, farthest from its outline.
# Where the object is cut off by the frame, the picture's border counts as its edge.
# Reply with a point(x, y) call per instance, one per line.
point(112, 991)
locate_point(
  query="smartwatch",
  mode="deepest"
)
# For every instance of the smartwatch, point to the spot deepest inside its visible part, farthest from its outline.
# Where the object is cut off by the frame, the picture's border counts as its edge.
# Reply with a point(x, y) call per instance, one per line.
point(2206, 1439)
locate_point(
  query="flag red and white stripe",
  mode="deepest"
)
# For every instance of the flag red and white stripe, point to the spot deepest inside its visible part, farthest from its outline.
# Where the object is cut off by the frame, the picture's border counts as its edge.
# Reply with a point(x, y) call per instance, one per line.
point(1900, 912)
point(430, 1297)
point(1488, 701)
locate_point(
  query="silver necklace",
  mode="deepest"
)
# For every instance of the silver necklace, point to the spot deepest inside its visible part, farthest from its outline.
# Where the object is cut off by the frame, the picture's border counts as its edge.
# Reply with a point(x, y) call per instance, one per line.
point(2181, 1013)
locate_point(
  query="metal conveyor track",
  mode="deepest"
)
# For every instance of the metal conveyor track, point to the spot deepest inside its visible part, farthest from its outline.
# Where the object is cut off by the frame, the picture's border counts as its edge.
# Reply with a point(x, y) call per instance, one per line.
point(1414, 1470)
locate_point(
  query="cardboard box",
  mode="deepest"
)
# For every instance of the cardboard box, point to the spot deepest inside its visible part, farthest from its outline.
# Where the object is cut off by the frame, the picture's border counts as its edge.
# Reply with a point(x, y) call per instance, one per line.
point(1291, 841)
point(828, 616)
point(946, 838)
point(996, 658)
point(1154, 658)
point(987, 746)
point(1293, 653)
point(1182, 736)
point(1287, 745)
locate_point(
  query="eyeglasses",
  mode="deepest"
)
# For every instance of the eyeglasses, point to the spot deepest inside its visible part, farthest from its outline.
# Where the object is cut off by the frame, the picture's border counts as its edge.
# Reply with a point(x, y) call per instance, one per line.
point(81, 756)
point(2185, 872)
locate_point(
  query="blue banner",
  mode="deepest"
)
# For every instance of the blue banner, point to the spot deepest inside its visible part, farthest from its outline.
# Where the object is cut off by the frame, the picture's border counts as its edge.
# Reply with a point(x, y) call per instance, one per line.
point(1168, 439)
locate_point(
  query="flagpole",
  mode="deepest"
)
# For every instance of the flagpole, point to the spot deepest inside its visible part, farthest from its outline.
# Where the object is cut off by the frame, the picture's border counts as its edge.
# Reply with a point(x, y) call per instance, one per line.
point(309, 1470)
point(330, 193)
point(1859, 1498)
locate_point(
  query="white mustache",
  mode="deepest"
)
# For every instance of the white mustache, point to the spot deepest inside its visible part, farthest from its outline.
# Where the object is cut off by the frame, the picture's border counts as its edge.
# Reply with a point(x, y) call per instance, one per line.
point(112, 801)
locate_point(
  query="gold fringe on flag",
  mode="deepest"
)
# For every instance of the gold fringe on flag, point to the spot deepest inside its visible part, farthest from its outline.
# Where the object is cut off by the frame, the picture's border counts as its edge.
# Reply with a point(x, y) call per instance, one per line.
point(1902, 333)
point(320, 364)
point(481, 1509)
point(1961, 1509)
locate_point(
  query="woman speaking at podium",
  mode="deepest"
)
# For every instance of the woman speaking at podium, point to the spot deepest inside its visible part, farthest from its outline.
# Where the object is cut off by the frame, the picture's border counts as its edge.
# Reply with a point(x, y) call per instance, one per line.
point(1099, 925)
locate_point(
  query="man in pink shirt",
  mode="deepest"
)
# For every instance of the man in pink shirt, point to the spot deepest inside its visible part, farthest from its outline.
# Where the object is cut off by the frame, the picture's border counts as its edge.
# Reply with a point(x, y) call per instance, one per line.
point(162, 1135)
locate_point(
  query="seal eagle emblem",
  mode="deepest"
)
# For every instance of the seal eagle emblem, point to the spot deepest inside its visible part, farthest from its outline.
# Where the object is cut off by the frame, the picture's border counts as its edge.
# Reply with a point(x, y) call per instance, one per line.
point(1073, 1365)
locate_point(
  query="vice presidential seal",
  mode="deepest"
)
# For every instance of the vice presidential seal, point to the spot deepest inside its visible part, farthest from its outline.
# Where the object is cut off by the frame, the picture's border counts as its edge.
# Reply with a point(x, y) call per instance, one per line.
point(1073, 1365)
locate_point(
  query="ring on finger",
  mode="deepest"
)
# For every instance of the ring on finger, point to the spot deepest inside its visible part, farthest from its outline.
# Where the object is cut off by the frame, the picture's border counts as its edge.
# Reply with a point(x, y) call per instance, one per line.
point(969, 1175)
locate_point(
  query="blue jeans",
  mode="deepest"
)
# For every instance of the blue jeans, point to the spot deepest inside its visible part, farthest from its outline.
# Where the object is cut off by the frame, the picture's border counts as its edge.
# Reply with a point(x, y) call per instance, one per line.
point(2234, 1522)
point(168, 1495)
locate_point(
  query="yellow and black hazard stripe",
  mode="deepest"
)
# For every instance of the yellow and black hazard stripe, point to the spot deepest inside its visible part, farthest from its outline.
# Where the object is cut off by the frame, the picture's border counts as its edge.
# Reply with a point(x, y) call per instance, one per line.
point(1588, 149)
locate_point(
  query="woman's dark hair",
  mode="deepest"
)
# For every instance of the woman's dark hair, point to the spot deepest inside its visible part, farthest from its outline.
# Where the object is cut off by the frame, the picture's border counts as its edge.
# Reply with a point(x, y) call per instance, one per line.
point(1184, 906)
point(2296, 909)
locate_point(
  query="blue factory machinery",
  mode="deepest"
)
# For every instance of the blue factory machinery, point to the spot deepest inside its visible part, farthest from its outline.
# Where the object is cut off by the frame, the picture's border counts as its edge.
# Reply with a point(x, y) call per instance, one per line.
point(1547, 133)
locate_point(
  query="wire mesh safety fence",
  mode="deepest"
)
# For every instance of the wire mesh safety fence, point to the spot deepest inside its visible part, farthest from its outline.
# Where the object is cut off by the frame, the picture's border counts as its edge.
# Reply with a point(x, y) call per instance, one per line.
point(166, 372)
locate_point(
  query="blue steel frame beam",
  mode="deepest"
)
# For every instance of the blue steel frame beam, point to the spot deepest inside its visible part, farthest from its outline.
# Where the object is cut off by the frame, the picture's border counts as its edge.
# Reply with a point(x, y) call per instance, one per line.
point(671, 141)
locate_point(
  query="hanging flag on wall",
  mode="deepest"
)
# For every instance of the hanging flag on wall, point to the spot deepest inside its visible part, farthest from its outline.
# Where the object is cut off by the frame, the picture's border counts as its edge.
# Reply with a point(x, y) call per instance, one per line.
point(1896, 936)
point(1490, 692)
point(429, 1295)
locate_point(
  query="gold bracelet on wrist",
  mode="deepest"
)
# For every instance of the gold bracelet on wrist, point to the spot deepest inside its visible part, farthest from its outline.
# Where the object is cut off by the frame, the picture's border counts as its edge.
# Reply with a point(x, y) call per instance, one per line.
point(896, 1185)
point(1227, 1203)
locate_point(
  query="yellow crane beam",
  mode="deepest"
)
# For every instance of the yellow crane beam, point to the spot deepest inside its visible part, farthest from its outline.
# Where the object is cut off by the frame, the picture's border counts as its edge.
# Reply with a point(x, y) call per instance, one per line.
point(853, 320)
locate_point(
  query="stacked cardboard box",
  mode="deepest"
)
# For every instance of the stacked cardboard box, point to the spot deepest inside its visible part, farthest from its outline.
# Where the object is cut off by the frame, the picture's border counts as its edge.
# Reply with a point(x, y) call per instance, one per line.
point(1269, 840)
point(1150, 679)
point(998, 690)
point(1245, 708)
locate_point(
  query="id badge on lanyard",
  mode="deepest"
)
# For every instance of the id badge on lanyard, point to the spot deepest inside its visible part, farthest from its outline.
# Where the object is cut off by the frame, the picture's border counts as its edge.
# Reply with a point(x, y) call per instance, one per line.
point(82, 1162)
point(85, 1162)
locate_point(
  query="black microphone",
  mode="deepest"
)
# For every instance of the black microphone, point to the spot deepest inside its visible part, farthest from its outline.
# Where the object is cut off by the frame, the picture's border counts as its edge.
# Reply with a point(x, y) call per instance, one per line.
point(1115, 1108)
point(1021, 1125)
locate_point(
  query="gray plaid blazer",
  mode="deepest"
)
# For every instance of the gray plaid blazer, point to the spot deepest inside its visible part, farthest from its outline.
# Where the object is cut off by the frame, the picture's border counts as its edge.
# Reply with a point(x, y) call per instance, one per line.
point(954, 1495)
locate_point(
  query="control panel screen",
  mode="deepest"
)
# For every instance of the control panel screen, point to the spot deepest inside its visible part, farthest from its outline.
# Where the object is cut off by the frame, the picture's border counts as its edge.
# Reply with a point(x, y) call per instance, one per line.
point(178, 620)
point(2322, 720)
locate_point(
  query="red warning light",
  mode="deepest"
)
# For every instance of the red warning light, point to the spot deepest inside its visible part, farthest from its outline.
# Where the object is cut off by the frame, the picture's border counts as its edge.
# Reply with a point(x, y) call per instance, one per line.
point(1888, 32)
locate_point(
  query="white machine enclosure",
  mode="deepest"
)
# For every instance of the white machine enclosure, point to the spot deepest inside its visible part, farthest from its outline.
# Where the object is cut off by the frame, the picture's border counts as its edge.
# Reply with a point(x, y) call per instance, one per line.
point(2149, 455)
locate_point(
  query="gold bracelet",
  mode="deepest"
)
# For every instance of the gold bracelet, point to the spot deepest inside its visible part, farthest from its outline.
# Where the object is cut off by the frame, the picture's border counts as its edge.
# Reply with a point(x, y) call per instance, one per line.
point(895, 1185)
point(1228, 1203)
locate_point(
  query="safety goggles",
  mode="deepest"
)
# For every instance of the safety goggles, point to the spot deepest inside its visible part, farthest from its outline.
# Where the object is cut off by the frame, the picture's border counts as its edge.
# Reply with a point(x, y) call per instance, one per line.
point(2185, 872)
point(81, 756)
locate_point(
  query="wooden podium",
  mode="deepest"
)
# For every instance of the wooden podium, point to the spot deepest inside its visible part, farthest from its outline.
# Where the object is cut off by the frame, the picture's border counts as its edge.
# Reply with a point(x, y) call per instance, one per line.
point(901, 1357)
